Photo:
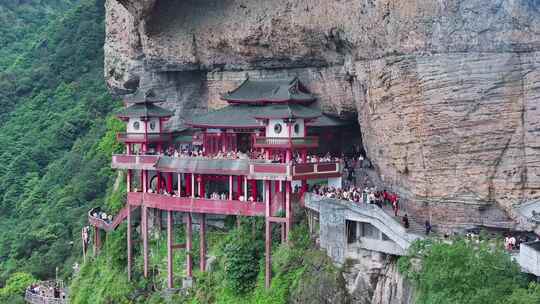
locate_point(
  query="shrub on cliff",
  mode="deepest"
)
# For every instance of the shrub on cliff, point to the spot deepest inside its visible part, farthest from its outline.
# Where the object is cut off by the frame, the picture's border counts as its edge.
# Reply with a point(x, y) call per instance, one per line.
point(15, 287)
point(463, 272)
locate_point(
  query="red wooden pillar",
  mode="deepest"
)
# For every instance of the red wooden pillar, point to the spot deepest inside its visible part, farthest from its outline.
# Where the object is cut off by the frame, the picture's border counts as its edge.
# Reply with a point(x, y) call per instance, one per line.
point(170, 249)
point(269, 191)
point(158, 181)
point(304, 187)
point(129, 246)
point(97, 241)
point(304, 156)
point(189, 262)
point(144, 232)
point(282, 191)
point(202, 188)
point(169, 182)
point(128, 180)
point(254, 189)
point(239, 185)
point(179, 184)
point(268, 238)
point(230, 187)
point(202, 243)
point(288, 209)
point(188, 184)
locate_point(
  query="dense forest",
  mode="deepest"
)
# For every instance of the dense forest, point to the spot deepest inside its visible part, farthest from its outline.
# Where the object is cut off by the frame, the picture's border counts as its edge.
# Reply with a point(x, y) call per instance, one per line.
point(53, 121)
point(58, 133)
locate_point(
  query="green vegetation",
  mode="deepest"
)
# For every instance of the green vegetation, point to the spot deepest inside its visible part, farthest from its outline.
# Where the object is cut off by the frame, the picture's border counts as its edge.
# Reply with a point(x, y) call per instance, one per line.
point(15, 286)
point(466, 272)
point(53, 127)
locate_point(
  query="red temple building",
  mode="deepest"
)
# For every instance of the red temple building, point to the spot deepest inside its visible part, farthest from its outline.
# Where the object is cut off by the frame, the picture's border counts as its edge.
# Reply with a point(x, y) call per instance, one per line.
point(253, 157)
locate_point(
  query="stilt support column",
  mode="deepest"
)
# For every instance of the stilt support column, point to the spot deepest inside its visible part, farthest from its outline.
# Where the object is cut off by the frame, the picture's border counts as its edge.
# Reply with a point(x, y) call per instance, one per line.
point(203, 243)
point(144, 232)
point(170, 253)
point(189, 246)
point(129, 245)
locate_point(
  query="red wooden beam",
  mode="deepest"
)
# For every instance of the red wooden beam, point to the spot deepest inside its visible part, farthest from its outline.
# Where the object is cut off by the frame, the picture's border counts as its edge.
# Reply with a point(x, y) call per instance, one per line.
point(196, 205)
point(178, 246)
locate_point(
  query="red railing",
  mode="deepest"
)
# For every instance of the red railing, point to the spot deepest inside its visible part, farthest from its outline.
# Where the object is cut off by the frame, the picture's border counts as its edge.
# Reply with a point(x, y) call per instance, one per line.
point(196, 205)
point(123, 161)
point(105, 225)
point(280, 142)
point(317, 168)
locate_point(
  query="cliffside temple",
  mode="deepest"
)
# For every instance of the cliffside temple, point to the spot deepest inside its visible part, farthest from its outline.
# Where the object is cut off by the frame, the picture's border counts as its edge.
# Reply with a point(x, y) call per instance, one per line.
point(249, 158)
point(255, 156)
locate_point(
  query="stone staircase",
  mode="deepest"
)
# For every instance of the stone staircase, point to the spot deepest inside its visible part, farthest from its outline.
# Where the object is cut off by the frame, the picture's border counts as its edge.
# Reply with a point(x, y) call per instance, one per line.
point(416, 224)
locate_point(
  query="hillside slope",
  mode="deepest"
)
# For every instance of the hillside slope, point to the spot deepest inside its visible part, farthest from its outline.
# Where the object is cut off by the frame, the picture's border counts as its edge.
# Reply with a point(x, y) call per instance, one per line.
point(54, 154)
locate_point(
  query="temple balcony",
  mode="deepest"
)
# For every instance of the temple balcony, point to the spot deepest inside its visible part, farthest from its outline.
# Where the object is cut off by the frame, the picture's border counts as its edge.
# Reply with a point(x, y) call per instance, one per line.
point(252, 169)
point(307, 142)
point(141, 137)
point(196, 205)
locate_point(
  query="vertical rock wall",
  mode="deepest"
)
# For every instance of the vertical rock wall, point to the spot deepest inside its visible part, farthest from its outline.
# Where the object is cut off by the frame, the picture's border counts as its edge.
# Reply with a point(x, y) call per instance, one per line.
point(447, 93)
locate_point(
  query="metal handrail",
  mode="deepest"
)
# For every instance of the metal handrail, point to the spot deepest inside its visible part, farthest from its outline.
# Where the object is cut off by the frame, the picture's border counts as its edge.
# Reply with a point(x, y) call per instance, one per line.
point(34, 298)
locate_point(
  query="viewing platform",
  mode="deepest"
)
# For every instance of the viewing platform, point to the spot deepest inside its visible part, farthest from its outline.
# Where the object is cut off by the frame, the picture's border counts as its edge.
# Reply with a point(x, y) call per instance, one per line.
point(105, 224)
point(48, 292)
point(253, 169)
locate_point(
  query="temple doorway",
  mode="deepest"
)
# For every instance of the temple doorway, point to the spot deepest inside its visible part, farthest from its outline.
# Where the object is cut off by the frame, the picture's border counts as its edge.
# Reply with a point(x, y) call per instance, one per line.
point(244, 142)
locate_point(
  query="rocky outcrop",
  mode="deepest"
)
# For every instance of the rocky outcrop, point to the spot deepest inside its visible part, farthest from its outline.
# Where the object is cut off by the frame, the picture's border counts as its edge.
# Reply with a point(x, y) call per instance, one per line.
point(374, 279)
point(447, 93)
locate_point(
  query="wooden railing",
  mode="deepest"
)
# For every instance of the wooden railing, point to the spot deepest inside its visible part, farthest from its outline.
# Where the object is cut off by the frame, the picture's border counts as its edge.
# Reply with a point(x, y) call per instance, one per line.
point(281, 142)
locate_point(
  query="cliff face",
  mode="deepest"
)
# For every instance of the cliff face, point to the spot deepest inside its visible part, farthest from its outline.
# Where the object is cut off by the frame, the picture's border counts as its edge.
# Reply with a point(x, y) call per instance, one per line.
point(447, 93)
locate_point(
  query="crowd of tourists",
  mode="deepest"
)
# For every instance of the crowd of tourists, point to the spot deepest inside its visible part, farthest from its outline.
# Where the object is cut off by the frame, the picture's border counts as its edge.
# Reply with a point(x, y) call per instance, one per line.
point(512, 242)
point(47, 291)
point(99, 214)
point(314, 158)
point(357, 195)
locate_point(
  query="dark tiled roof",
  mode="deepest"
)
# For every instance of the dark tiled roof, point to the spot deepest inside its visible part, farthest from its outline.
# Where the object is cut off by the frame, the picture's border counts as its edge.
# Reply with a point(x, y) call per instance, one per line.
point(245, 116)
point(143, 109)
point(232, 116)
point(287, 111)
point(269, 90)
